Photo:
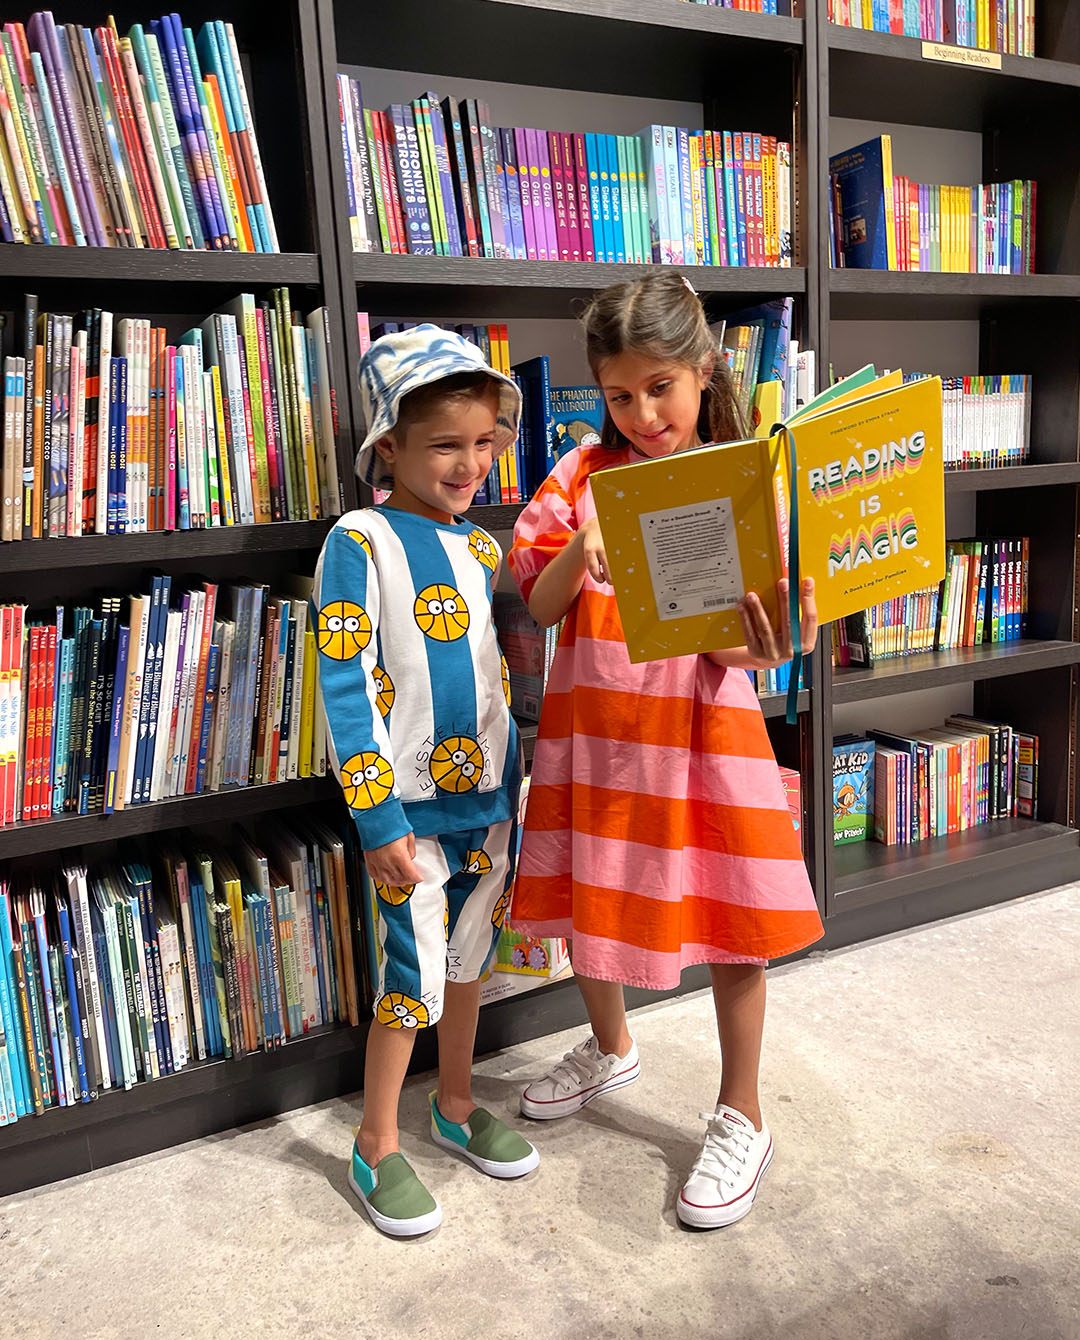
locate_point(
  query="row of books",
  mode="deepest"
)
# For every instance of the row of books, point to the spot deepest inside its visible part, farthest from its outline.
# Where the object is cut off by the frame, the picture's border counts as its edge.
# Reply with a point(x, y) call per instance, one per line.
point(772, 376)
point(130, 969)
point(900, 788)
point(983, 599)
point(986, 421)
point(778, 680)
point(169, 693)
point(437, 178)
point(112, 428)
point(138, 141)
point(748, 6)
point(529, 651)
point(985, 25)
point(882, 221)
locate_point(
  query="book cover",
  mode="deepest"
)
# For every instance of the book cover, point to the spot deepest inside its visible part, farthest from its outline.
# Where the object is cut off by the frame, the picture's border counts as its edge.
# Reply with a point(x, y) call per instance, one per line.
point(688, 535)
point(864, 177)
point(853, 789)
point(577, 417)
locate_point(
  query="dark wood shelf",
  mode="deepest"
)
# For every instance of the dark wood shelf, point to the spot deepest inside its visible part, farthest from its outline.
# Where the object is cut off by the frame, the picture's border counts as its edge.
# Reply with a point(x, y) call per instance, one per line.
point(931, 670)
point(146, 265)
point(869, 872)
point(457, 285)
point(72, 830)
point(775, 704)
point(882, 76)
point(657, 48)
point(882, 295)
point(496, 516)
point(161, 546)
point(1012, 477)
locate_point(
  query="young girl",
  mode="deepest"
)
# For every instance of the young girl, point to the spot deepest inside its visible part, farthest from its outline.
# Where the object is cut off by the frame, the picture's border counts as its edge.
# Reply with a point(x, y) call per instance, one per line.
point(657, 834)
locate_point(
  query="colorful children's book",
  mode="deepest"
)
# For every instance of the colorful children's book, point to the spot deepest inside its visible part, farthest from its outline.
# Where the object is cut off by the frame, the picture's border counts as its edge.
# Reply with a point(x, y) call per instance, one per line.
point(853, 788)
point(864, 177)
point(687, 536)
point(577, 416)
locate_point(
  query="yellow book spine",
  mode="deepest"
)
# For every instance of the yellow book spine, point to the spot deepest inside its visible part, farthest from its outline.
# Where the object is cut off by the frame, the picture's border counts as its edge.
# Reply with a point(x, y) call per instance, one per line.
point(768, 167)
point(228, 509)
point(20, 153)
point(234, 898)
point(307, 424)
point(890, 200)
point(210, 112)
point(307, 705)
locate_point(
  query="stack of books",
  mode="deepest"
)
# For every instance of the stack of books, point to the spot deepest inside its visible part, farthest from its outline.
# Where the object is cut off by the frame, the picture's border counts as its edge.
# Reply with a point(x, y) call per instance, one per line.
point(881, 221)
point(111, 428)
point(435, 177)
point(936, 782)
point(131, 969)
point(1006, 28)
point(173, 692)
point(983, 599)
point(138, 141)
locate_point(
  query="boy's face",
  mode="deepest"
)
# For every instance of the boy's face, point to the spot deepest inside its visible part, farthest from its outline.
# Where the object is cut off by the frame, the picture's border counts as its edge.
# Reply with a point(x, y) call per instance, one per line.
point(441, 459)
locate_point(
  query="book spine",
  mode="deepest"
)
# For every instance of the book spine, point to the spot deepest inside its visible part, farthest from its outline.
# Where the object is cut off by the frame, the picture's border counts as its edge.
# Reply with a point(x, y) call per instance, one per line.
point(585, 222)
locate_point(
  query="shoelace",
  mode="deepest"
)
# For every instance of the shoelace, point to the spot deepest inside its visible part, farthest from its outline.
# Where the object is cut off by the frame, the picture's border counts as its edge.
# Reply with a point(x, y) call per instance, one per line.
point(577, 1065)
point(725, 1150)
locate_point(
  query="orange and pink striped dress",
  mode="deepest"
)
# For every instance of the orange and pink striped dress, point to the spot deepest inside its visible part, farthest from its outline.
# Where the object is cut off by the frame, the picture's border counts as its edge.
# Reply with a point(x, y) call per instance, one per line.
point(657, 833)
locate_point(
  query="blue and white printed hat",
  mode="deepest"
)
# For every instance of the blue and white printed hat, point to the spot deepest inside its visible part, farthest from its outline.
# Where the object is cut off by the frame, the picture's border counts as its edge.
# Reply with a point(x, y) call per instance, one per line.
point(400, 363)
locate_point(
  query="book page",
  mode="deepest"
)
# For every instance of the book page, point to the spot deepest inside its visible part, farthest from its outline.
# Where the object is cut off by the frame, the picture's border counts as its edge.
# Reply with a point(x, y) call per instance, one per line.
point(693, 557)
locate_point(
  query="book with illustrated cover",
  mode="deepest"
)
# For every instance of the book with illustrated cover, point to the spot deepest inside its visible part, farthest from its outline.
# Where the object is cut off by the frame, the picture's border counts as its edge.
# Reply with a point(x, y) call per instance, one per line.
point(853, 788)
point(688, 535)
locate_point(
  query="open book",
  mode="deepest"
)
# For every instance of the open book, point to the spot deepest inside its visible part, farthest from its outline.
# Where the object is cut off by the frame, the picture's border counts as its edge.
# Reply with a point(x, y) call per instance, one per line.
point(862, 512)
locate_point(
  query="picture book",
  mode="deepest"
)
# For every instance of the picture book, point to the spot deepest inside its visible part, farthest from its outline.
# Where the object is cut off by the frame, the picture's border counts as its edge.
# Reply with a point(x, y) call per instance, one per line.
point(853, 788)
point(577, 416)
point(864, 181)
point(687, 536)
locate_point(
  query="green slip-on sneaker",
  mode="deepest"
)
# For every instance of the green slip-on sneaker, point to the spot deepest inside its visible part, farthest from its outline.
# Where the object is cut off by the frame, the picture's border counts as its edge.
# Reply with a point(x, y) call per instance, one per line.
point(488, 1143)
point(396, 1200)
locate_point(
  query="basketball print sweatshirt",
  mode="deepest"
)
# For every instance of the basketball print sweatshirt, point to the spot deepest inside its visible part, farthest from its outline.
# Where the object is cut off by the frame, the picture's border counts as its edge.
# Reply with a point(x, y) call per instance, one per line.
point(415, 687)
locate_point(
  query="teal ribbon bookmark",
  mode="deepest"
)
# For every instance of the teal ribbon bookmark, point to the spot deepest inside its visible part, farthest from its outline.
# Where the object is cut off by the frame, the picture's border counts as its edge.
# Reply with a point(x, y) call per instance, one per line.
point(794, 585)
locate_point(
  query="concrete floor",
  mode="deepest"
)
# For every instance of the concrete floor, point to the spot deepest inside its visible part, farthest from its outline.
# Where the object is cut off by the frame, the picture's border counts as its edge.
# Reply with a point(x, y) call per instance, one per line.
point(923, 1091)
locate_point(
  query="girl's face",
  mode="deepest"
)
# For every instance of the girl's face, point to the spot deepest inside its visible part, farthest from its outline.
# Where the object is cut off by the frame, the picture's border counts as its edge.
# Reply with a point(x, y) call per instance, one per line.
point(654, 404)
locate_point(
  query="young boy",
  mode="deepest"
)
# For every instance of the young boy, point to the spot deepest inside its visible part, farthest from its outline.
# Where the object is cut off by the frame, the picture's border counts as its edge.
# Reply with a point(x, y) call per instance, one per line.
point(429, 757)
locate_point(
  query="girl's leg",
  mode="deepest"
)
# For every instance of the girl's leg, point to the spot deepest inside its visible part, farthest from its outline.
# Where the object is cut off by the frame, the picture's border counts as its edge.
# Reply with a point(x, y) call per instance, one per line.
point(607, 1014)
point(457, 1039)
point(387, 1059)
point(739, 995)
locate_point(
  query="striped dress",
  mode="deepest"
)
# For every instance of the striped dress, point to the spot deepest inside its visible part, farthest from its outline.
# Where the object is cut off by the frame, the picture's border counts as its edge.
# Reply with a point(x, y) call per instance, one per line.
point(657, 833)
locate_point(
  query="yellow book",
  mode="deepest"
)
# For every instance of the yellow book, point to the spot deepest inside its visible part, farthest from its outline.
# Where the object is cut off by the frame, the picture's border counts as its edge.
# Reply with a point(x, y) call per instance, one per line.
point(687, 536)
point(768, 407)
point(244, 963)
point(890, 200)
point(228, 510)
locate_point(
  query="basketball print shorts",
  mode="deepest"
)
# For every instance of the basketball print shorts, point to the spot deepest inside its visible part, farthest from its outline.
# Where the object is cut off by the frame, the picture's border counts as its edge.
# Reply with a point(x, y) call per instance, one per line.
point(446, 927)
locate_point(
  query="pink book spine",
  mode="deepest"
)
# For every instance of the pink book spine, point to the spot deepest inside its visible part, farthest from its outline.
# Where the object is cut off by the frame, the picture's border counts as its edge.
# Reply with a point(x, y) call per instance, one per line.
point(539, 223)
point(521, 141)
point(558, 191)
point(170, 437)
point(566, 151)
point(547, 196)
point(588, 246)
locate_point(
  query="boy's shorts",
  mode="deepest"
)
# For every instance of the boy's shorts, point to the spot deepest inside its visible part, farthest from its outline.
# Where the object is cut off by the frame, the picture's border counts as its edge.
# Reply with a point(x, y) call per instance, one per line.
point(446, 927)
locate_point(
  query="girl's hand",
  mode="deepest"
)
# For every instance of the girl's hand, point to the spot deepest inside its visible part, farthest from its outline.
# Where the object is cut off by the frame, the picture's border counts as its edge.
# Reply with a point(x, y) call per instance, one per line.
point(394, 863)
point(592, 546)
point(767, 648)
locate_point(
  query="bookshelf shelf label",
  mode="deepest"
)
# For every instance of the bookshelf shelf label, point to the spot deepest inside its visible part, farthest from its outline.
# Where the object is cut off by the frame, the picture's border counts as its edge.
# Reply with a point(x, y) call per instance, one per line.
point(979, 60)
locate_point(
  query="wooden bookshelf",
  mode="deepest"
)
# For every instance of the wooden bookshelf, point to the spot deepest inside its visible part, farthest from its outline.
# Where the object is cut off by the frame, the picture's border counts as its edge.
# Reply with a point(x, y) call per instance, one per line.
point(787, 74)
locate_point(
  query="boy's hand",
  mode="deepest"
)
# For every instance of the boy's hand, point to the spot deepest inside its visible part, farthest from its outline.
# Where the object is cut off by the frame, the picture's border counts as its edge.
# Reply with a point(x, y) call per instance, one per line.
point(394, 863)
point(592, 546)
point(766, 647)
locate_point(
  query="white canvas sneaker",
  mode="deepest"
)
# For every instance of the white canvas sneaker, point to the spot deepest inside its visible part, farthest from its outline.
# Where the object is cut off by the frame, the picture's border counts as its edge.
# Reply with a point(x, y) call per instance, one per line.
point(725, 1179)
point(582, 1075)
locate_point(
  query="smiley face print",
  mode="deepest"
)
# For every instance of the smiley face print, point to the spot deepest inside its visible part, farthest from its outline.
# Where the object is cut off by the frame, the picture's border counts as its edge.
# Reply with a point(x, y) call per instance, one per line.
point(395, 894)
point(505, 680)
point(397, 1010)
point(457, 764)
point(441, 613)
point(498, 912)
point(367, 779)
point(344, 630)
point(483, 550)
point(477, 863)
point(385, 693)
point(362, 540)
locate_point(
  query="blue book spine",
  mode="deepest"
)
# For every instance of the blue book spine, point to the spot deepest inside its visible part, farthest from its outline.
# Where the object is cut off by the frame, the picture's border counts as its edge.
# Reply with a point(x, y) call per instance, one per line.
point(863, 204)
point(73, 999)
point(143, 917)
point(13, 1024)
point(730, 206)
point(116, 717)
point(204, 955)
point(157, 669)
point(50, 1009)
point(232, 80)
point(253, 916)
point(193, 130)
point(193, 78)
point(607, 218)
point(652, 149)
point(610, 151)
point(410, 174)
point(108, 1005)
point(742, 195)
point(213, 669)
point(686, 196)
point(121, 445)
point(593, 169)
point(65, 661)
point(676, 223)
point(144, 701)
point(284, 1022)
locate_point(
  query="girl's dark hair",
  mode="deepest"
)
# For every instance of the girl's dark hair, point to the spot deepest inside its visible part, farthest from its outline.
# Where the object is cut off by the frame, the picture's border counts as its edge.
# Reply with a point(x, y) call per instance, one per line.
point(659, 316)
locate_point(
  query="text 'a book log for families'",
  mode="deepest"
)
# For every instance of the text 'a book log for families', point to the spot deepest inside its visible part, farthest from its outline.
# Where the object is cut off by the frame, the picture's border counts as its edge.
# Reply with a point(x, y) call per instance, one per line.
point(687, 536)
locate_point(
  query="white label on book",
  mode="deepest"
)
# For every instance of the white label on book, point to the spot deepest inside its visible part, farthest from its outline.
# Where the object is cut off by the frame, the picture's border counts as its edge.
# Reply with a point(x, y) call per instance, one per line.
point(693, 556)
point(980, 60)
